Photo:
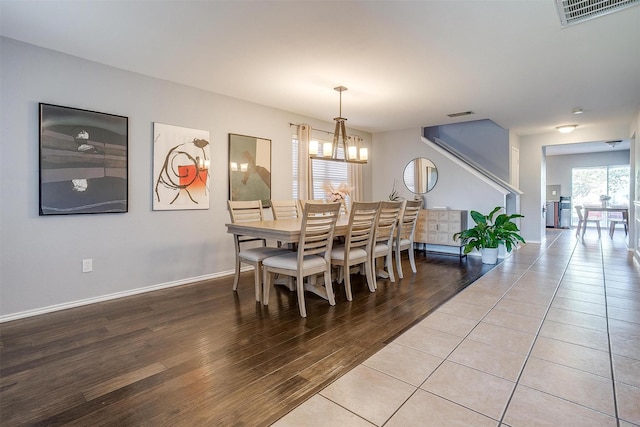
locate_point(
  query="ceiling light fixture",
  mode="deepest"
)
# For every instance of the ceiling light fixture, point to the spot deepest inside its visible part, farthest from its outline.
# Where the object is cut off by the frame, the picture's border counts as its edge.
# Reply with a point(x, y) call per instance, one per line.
point(351, 150)
point(577, 111)
point(613, 143)
point(566, 128)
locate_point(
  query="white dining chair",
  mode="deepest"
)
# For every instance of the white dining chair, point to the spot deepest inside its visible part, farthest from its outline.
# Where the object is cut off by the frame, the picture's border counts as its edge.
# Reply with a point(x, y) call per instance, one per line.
point(245, 211)
point(582, 222)
point(616, 218)
point(312, 257)
point(357, 247)
point(405, 234)
point(283, 209)
point(383, 241)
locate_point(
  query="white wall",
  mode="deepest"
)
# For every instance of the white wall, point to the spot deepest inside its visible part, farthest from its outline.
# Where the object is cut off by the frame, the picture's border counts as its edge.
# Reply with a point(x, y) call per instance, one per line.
point(532, 170)
point(634, 236)
point(559, 167)
point(40, 257)
point(514, 174)
point(455, 188)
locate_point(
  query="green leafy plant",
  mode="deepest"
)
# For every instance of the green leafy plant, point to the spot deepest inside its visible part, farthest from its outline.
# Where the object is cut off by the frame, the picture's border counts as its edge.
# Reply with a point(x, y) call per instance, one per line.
point(489, 232)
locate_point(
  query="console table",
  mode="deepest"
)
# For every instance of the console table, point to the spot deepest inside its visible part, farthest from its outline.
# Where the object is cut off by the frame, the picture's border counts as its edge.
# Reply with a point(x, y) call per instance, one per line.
point(437, 227)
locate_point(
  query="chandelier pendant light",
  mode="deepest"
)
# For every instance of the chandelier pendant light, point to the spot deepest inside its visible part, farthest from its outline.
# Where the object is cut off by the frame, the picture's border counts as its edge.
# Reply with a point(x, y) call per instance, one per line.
point(340, 128)
point(351, 150)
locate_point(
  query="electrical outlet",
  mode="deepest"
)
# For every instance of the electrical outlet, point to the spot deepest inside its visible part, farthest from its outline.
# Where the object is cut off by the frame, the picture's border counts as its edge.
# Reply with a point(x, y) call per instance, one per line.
point(87, 265)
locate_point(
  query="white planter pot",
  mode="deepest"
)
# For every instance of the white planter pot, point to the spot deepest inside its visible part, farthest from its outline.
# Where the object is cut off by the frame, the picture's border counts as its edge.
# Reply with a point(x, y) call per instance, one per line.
point(502, 251)
point(489, 255)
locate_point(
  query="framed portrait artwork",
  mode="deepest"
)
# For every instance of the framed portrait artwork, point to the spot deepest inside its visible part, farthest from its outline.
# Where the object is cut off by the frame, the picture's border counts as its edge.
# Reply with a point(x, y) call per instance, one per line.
point(83, 161)
point(181, 162)
point(249, 168)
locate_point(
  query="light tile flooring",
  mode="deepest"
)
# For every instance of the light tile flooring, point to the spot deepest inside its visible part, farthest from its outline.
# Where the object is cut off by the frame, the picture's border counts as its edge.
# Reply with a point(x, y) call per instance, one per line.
point(550, 337)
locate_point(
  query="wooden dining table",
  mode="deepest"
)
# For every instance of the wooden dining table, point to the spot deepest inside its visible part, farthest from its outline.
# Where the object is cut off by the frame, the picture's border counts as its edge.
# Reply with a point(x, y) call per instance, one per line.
point(282, 230)
point(285, 231)
point(588, 209)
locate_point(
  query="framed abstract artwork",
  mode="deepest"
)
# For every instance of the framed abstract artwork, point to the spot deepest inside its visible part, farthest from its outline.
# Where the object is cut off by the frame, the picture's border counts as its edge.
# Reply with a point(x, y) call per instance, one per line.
point(181, 163)
point(249, 168)
point(83, 161)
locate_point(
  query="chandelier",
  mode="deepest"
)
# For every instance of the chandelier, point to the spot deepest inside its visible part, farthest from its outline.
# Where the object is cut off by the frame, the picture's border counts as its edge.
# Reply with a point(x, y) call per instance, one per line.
point(351, 150)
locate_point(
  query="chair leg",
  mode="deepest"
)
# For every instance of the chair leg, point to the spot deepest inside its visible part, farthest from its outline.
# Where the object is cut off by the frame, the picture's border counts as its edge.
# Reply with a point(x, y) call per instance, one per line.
point(347, 283)
point(266, 285)
point(328, 288)
point(399, 263)
point(598, 227)
point(300, 285)
point(257, 272)
point(612, 228)
point(412, 259)
point(578, 228)
point(236, 277)
point(389, 262)
point(370, 276)
point(375, 272)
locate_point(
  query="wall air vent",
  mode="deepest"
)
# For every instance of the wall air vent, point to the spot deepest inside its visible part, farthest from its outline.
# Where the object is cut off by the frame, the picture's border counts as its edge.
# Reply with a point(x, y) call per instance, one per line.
point(463, 113)
point(576, 11)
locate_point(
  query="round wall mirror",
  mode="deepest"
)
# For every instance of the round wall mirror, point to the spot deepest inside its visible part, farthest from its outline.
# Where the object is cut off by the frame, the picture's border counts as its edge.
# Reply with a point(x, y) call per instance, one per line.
point(420, 175)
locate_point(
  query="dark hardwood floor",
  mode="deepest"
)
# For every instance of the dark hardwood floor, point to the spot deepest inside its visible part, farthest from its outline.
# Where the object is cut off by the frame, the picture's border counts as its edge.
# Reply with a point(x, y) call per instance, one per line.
point(201, 354)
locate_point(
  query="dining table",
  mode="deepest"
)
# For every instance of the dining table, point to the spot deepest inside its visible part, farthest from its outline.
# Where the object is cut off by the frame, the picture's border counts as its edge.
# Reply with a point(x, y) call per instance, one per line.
point(588, 209)
point(285, 231)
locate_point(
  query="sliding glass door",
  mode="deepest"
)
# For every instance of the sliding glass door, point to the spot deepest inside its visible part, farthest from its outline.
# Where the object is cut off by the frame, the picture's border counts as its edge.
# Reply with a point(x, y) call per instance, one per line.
point(590, 185)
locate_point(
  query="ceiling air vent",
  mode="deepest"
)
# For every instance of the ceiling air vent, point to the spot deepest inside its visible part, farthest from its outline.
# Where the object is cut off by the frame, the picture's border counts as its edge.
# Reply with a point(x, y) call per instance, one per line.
point(462, 113)
point(576, 11)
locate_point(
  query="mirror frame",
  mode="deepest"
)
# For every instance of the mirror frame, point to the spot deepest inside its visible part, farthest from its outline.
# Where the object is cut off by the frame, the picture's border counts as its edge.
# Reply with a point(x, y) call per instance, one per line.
point(430, 177)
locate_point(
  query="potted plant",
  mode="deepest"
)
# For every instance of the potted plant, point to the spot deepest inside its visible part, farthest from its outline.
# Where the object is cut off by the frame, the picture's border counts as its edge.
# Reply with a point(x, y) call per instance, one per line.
point(393, 196)
point(489, 233)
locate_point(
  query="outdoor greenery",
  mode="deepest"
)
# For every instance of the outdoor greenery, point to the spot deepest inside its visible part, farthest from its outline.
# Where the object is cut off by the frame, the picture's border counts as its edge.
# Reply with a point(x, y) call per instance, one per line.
point(588, 184)
point(489, 232)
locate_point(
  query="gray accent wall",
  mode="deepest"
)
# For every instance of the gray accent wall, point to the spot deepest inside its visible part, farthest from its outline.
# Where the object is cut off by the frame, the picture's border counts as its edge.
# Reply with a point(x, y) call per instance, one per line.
point(41, 257)
point(484, 141)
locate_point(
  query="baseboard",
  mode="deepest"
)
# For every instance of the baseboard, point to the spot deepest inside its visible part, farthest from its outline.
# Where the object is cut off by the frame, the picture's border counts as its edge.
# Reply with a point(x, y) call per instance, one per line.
point(102, 298)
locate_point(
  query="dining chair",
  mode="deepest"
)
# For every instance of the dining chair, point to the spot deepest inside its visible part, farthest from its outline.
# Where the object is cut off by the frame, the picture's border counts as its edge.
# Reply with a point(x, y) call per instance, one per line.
point(245, 211)
point(620, 218)
point(357, 246)
point(283, 209)
point(312, 257)
point(303, 202)
point(405, 234)
point(383, 240)
point(582, 222)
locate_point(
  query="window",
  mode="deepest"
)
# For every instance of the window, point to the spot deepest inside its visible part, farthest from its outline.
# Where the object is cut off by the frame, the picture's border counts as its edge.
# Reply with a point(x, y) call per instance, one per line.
point(588, 184)
point(323, 173)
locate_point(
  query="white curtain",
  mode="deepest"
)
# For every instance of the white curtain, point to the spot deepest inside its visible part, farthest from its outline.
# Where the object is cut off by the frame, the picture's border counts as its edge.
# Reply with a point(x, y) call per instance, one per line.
point(355, 178)
point(304, 182)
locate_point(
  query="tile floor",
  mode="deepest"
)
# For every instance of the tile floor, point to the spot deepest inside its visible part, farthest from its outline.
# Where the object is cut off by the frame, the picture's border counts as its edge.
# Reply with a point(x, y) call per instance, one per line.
point(549, 337)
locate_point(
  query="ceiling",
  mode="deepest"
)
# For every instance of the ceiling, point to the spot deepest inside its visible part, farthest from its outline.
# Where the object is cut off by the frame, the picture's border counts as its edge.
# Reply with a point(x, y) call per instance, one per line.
point(585, 147)
point(406, 63)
